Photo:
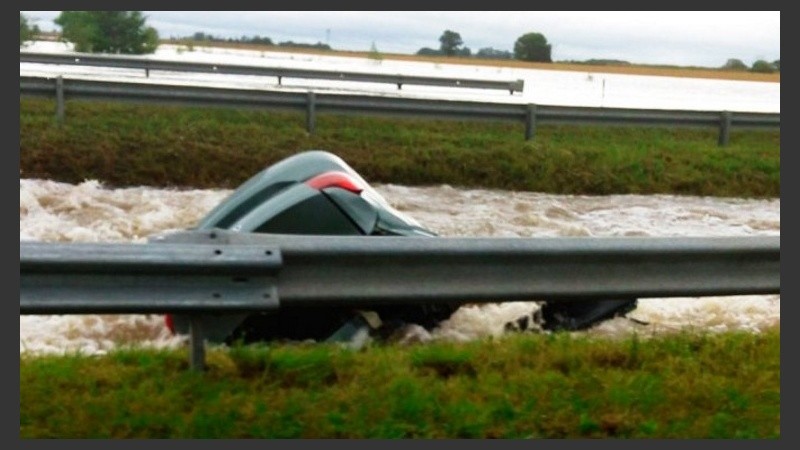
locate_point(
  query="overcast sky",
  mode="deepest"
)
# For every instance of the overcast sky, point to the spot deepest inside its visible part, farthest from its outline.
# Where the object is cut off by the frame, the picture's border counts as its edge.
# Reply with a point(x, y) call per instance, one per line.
point(692, 38)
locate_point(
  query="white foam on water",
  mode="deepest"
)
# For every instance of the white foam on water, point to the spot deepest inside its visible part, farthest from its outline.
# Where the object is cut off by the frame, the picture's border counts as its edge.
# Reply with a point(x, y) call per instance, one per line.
point(89, 212)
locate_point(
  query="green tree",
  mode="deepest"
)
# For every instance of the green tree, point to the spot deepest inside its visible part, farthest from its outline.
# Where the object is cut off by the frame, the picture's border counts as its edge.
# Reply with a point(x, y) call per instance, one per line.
point(734, 64)
point(777, 64)
point(450, 43)
point(491, 53)
point(532, 47)
point(374, 53)
point(26, 31)
point(108, 31)
point(762, 66)
point(427, 51)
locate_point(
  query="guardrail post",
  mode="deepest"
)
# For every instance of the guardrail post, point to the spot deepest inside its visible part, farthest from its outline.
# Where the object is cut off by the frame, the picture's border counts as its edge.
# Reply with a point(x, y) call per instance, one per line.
point(147, 72)
point(530, 121)
point(516, 86)
point(60, 99)
point(197, 345)
point(311, 116)
point(724, 128)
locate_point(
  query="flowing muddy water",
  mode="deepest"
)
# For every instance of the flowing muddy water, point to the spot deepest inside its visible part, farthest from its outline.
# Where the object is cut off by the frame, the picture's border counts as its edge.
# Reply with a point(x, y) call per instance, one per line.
point(88, 212)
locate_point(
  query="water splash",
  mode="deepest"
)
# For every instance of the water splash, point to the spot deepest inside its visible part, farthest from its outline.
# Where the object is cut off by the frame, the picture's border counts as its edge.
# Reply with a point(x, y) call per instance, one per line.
point(89, 212)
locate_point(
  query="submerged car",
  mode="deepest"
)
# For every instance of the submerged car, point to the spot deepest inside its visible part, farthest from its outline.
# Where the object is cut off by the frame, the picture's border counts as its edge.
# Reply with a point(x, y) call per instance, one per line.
point(317, 193)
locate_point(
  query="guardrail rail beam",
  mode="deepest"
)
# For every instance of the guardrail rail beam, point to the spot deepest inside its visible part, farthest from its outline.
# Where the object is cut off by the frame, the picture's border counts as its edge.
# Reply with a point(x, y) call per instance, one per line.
point(225, 272)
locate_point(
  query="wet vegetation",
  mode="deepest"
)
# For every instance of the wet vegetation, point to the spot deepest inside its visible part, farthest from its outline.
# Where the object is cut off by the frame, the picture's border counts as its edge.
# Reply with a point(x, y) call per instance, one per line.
point(561, 385)
point(132, 145)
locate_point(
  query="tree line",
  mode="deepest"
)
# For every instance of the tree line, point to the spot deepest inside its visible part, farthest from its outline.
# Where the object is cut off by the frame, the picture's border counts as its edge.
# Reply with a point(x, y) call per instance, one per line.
point(528, 47)
point(257, 39)
point(760, 65)
point(127, 32)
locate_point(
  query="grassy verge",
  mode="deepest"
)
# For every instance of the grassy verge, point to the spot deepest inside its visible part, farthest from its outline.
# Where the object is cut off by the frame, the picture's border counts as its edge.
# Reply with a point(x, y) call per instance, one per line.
point(524, 386)
point(123, 144)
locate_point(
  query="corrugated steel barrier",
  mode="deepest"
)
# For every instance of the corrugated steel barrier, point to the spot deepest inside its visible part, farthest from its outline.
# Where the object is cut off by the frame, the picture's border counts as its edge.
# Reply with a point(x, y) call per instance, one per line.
point(147, 64)
point(311, 103)
point(196, 272)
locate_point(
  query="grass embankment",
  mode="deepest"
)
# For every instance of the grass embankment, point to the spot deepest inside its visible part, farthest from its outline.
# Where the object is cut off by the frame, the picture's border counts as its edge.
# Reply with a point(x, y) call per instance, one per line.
point(525, 386)
point(124, 144)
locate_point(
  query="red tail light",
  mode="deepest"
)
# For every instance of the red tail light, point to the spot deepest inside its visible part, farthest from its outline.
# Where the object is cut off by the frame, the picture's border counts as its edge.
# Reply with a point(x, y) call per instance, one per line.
point(336, 179)
point(169, 323)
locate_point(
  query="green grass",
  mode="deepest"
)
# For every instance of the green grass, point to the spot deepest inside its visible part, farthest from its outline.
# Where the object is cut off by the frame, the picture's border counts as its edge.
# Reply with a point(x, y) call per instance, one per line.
point(126, 145)
point(522, 386)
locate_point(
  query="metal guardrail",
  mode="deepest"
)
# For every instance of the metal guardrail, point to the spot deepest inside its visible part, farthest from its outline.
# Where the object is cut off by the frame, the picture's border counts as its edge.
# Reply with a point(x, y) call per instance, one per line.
point(312, 103)
point(221, 271)
point(146, 64)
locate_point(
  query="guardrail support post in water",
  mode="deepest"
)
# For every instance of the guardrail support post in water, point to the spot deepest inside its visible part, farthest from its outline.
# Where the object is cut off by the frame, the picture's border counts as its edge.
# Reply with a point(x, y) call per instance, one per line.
point(311, 117)
point(516, 86)
point(530, 122)
point(724, 128)
point(197, 348)
point(60, 99)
